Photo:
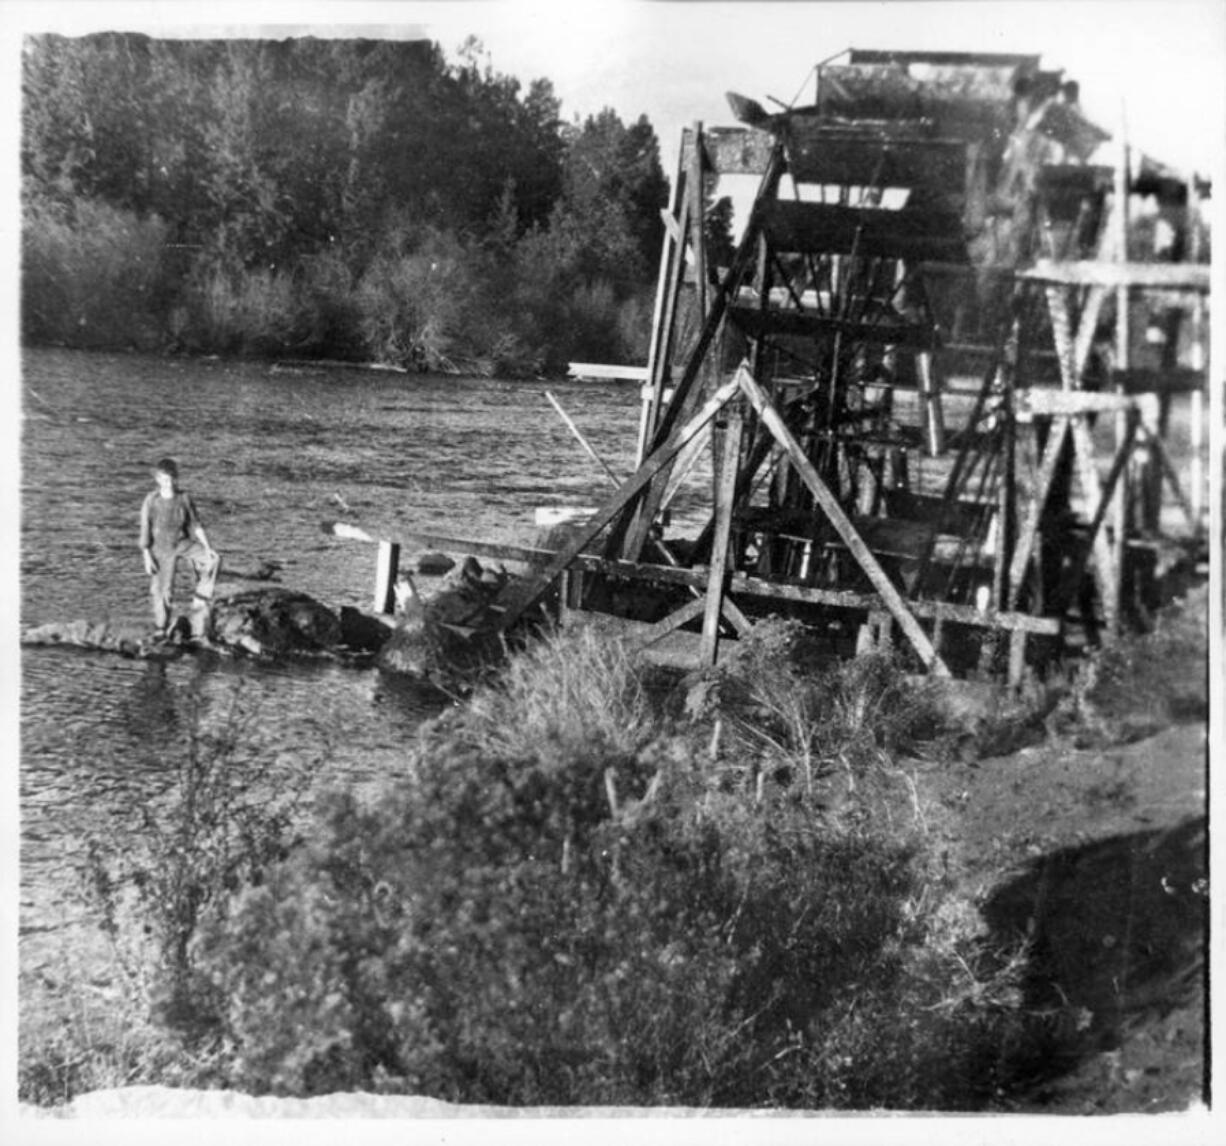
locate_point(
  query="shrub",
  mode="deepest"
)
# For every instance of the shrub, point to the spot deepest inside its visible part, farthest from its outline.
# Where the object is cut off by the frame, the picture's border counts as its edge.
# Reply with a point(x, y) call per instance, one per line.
point(227, 816)
point(92, 275)
point(243, 311)
point(410, 299)
point(563, 901)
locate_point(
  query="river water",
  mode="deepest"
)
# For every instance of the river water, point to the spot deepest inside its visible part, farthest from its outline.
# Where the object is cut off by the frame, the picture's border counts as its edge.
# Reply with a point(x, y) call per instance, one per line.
point(269, 453)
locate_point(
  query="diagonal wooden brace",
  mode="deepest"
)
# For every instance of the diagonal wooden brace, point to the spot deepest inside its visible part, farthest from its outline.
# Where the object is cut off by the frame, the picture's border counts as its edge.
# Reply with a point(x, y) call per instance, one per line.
point(1034, 515)
point(893, 600)
point(630, 489)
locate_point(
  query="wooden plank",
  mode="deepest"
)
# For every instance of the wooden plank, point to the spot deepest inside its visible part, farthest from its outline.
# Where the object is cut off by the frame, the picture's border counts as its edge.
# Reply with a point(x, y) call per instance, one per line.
point(743, 585)
point(817, 154)
point(869, 232)
point(1162, 276)
point(606, 372)
point(771, 419)
point(1087, 326)
point(634, 485)
point(946, 59)
point(668, 285)
point(738, 583)
point(733, 615)
point(724, 488)
point(1154, 442)
point(759, 323)
point(1047, 402)
point(682, 616)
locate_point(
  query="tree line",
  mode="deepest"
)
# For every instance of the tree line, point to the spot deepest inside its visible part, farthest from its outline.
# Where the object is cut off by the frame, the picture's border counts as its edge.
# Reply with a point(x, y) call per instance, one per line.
point(332, 198)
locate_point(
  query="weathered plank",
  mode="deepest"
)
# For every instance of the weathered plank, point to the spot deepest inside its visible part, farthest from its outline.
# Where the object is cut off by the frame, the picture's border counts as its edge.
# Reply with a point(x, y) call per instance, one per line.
point(1085, 272)
point(758, 323)
point(606, 372)
point(724, 487)
point(871, 232)
point(740, 584)
point(1046, 402)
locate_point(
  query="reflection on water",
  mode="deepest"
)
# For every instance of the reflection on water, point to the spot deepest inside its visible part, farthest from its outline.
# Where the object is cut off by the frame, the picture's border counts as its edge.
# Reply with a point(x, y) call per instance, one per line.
point(269, 456)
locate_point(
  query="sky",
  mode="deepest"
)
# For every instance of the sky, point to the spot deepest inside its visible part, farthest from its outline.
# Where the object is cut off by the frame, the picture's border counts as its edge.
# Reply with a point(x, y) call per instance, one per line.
point(1157, 67)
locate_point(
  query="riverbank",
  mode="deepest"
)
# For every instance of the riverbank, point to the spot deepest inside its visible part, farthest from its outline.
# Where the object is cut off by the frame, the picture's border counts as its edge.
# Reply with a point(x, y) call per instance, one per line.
point(1027, 902)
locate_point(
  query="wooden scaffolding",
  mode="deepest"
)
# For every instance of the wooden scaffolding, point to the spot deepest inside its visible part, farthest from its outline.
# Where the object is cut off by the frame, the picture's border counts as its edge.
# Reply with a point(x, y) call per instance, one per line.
point(883, 396)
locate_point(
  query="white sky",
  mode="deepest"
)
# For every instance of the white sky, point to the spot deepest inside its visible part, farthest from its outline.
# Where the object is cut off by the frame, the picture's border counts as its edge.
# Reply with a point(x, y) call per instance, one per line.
point(1160, 64)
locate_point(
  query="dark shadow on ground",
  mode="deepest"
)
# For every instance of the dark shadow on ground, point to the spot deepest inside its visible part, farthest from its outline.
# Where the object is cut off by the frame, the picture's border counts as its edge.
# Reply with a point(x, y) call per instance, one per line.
point(1118, 937)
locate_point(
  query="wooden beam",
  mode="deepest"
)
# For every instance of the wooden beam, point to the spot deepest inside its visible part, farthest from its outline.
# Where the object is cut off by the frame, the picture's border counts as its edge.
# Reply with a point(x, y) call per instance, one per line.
point(1154, 441)
point(772, 421)
point(668, 283)
point(640, 480)
point(673, 621)
point(1167, 276)
point(733, 615)
point(724, 489)
point(1042, 401)
point(740, 584)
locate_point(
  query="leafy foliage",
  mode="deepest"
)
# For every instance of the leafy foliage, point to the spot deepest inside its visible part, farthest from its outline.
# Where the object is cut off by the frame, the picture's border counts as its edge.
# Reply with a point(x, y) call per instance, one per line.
point(472, 228)
point(569, 898)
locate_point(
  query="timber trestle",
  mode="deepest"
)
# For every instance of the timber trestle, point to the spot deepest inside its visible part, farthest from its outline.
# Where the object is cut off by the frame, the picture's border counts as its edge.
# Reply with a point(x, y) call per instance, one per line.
point(886, 410)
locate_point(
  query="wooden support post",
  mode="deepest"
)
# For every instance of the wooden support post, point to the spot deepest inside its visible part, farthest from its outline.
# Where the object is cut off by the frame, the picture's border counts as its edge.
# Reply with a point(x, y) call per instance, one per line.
point(834, 512)
point(930, 401)
point(1006, 510)
point(570, 596)
point(724, 490)
point(387, 569)
point(1017, 657)
point(696, 187)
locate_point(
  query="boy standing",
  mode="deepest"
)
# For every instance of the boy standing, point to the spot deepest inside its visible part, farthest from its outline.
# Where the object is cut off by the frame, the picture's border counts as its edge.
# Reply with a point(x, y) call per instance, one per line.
point(170, 529)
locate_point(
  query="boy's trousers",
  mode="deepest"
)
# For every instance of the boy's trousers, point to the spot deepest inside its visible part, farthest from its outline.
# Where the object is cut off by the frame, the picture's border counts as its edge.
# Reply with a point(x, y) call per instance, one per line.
point(205, 566)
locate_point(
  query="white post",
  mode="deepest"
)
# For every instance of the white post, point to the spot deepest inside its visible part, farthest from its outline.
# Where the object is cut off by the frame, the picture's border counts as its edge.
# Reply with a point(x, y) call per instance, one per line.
point(386, 570)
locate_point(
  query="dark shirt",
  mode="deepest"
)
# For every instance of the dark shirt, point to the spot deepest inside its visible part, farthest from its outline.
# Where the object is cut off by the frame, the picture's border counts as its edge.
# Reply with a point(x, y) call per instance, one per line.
point(165, 522)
